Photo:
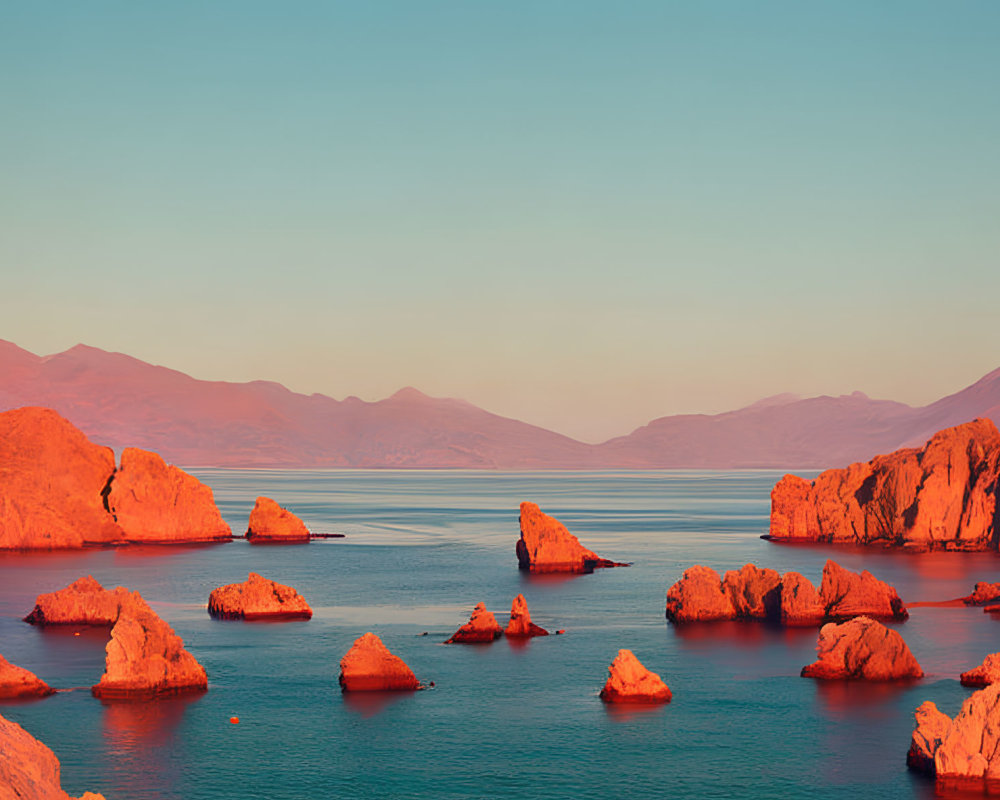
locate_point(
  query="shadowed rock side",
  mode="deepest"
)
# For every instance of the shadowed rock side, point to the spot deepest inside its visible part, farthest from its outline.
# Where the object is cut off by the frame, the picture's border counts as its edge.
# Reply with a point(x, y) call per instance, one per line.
point(941, 496)
point(83, 602)
point(369, 667)
point(156, 502)
point(985, 674)
point(966, 748)
point(546, 546)
point(257, 598)
point(18, 682)
point(145, 657)
point(269, 522)
point(630, 682)
point(28, 769)
point(762, 594)
point(520, 620)
point(51, 480)
point(481, 627)
point(862, 648)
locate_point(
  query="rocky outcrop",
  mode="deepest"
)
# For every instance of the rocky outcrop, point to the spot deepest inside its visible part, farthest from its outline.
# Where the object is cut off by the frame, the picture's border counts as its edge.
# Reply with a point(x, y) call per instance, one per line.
point(156, 502)
point(145, 657)
point(257, 598)
point(862, 648)
point(932, 727)
point(983, 594)
point(630, 682)
point(369, 666)
point(28, 769)
point(762, 594)
point(520, 620)
point(481, 627)
point(986, 673)
point(51, 483)
point(943, 495)
point(546, 546)
point(83, 602)
point(269, 522)
point(18, 682)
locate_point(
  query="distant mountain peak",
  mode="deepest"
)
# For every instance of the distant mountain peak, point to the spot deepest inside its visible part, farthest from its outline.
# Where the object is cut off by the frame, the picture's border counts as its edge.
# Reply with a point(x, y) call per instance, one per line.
point(782, 399)
point(409, 393)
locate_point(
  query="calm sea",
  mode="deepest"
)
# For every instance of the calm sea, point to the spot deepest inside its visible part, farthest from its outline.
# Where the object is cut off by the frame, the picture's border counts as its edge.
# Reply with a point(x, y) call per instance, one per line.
point(504, 720)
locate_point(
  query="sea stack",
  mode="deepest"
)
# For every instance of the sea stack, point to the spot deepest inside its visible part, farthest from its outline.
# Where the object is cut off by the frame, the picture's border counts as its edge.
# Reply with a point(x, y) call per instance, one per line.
point(698, 597)
point(862, 648)
point(849, 594)
point(985, 674)
point(270, 523)
point(546, 546)
point(369, 667)
point(630, 682)
point(520, 624)
point(482, 627)
point(17, 682)
point(83, 602)
point(257, 598)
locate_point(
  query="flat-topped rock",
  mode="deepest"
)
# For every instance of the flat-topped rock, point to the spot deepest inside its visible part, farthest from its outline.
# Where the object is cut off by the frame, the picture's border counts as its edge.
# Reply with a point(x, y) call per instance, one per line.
point(83, 602)
point(520, 624)
point(18, 682)
point(630, 682)
point(985, 674)
point(862, 648)
point(546, 546)
point(269, 522)
point(369, 666)
point(481, 627)
point(257, 598)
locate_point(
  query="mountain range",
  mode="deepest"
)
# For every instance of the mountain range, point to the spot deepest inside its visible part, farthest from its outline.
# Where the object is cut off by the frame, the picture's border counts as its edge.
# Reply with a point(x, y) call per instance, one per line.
point(121, 401)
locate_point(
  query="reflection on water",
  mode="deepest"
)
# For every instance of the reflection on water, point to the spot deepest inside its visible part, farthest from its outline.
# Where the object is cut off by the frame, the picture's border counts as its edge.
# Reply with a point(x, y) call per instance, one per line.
point(370, 704)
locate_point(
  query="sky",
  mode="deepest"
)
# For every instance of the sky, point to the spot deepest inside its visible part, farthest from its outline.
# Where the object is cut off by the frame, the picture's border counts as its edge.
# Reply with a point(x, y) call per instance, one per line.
point(582, 215)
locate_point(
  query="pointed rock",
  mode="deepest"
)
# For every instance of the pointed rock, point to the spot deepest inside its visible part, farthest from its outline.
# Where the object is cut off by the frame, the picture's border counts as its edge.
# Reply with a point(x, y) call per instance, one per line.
point(630, 682)
point(847, 594)
point(481, 627)
point(801, 604)
point(369, 666)
point(546, 546)
point(520, 620)
point(698, 597)
point(257, 598)
point(269, 522)
point(986, 673)
point(83, 602)
point(18, 682)
point(862, 648)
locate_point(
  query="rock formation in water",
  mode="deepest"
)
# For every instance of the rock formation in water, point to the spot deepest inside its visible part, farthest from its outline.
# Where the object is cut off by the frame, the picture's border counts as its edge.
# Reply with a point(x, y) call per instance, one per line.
point(862, 648)
point(83, 602)
point(481, 627)
point(257, 598)
point(630, 682)
point(520, 620)
point(145, 657)
point(699, 597)
point(943, 495)
point(801, 604)
point(156, 502)
point(966, 748)
point(849, 594)
point(269, 522)
point(983, 594)
point(755, 593)
point(986, 673)
point(18, 682)
point(546, 546)
point(369, 667)
point(51, 483)
point(28, 769)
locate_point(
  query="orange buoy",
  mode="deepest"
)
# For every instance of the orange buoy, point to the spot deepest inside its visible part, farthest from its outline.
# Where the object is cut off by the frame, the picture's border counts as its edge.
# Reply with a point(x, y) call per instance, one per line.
point(234, 720)
point(559, 633)
point(77, 633)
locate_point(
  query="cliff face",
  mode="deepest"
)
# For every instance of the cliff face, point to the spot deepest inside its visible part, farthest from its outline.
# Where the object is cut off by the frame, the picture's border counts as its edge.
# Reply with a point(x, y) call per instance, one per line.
point(941, 496)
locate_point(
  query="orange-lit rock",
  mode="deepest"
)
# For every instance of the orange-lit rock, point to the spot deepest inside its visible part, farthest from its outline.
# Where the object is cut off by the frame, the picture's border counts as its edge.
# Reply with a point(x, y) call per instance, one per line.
point(986, 673)
point(862, 648)
point(983, 594)
point(51, 483)
point(943, 495)
point(28, 769)
point(18, 682)
point(755, 593)
point(698, 597)
point(83, 602)
point(156, 502)
point(269, 522)
point(146, 657)
point(801, 604)
point(932, 726)
point(966, 748)
point(369, 666)
point(546, 546)
point(257, 598)
point(849, 594)
point(630, 682)
point(481, 627)
point(520, 620)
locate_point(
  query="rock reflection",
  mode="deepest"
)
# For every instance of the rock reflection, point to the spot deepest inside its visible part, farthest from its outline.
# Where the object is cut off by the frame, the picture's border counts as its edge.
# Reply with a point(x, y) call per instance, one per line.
point(370, 704)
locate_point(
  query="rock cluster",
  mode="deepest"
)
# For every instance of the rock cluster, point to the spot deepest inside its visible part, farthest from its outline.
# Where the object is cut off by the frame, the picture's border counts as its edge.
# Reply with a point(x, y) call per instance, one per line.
point(269, 522)
point(520, 624)
point(546, 546)
point(481, 627)
point(257, 598)
point(791, 599)
point(630, 682)
point(943, 495)
point(369, 666)
point(862, 648)
point(986, 673)
point(18, 682)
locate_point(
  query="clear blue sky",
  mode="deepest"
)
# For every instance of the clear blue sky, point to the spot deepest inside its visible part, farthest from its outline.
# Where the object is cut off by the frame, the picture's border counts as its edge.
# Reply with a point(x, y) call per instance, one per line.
point(584, 215)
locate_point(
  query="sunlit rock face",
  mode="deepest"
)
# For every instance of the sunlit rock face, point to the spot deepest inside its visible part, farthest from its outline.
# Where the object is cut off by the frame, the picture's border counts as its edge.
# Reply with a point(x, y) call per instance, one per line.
point(481, 627)
point(520, 624)
point(862, 648)
point(630, 682)
point(546, 546)
point(269, 523)
point(985, 674)
point(369, 666)
point(83, 602)
point(17, 682)
point(257, 598)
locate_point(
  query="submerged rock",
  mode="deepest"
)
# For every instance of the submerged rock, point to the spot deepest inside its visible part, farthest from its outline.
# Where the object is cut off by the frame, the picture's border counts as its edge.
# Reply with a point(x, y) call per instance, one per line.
point(546, 546)
point(698, 597)
point(269, 522)
point(862, 648)
point(520, 620)
point(369, 666)
point(630, 682)
point(481, 627)
point(849, 594)
point(257, 598)
point(83, 602)
point(986, 673)
point(18, 682)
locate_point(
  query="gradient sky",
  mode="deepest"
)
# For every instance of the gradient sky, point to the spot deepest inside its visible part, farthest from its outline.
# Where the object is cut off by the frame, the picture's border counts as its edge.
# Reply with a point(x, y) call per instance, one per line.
point(584, 215)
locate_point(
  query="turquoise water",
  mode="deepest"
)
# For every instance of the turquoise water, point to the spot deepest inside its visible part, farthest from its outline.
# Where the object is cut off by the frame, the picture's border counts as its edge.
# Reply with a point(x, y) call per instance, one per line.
point(421, 549)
